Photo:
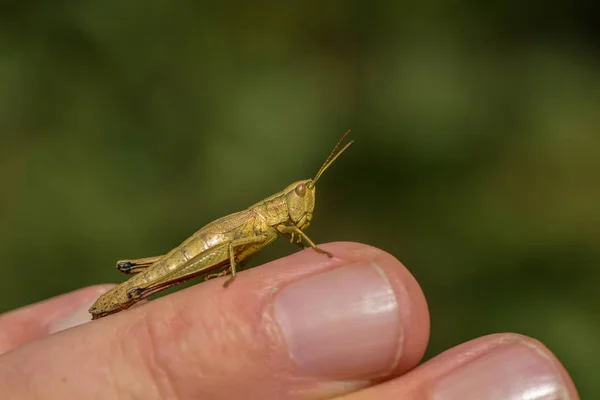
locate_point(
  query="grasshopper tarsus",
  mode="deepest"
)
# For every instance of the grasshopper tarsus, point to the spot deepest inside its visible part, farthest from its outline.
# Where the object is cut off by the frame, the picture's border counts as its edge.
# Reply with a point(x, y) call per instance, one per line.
point(97, 316)
point(131, 267)
point(125, 266)
point(229, 281)
point(135, 293)
point(215, 275)
point(320, 250)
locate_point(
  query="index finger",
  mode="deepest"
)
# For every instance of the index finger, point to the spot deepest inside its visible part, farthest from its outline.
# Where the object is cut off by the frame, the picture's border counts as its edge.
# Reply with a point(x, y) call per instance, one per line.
point(302, 326)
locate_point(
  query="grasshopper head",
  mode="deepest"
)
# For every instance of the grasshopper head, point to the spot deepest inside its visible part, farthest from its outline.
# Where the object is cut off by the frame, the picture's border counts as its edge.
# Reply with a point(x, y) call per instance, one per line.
point(300, 196)
point(300, 199)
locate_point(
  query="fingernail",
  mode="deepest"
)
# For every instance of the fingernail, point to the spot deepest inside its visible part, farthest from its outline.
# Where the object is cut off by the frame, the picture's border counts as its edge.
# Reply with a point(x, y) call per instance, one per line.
point(343, 323)
point(79, 315)
point(515, 372)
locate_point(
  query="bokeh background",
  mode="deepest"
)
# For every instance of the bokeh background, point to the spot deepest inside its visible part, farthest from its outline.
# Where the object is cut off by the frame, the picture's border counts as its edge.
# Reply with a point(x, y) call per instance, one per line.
point(126, 126)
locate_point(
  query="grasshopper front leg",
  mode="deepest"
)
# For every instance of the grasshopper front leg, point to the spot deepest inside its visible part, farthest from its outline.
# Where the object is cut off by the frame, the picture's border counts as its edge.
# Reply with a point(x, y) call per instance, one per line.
point(294, 240)
point(295, 230)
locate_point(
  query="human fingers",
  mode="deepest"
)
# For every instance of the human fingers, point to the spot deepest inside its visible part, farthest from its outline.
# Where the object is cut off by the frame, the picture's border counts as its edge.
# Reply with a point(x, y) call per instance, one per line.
point(305, 326)
point(500, 366)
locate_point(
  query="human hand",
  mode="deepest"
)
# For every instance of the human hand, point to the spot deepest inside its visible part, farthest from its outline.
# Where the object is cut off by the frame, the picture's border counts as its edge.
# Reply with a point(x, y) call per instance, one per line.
point(352, 327)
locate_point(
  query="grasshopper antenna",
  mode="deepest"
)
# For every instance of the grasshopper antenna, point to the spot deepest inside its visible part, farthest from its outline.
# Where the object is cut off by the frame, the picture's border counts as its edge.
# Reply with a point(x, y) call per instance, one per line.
point(332, 157)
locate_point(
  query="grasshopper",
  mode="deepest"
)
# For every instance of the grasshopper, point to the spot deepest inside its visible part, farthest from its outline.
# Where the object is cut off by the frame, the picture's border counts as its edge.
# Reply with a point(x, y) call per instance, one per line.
point(221, 245)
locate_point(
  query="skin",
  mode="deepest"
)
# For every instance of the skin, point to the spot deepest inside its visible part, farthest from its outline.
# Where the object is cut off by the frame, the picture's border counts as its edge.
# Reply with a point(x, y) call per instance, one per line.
point(207, 342)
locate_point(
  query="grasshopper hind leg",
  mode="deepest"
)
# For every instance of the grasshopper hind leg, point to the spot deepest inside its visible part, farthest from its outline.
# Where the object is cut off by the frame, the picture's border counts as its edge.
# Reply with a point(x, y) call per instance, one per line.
point(131, 267)
point(190, 269)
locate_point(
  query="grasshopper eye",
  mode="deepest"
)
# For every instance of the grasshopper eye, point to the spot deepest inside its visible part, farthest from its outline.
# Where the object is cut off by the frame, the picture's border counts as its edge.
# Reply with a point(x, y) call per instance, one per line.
point(300, 190)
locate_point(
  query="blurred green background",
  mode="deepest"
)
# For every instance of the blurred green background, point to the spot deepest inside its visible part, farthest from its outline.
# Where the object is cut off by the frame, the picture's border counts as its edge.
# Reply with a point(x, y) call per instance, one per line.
point(126, 126)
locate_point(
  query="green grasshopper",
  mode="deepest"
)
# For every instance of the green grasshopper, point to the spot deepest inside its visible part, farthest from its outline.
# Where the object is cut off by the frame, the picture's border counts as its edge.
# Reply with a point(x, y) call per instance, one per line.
point(221, 245)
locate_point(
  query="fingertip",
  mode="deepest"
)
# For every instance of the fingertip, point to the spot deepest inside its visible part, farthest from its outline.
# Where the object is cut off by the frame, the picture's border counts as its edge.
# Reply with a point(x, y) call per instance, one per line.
point(413, 309)
point(507, 365)
point(504, 365)
point(315, 290)
point(563, 375)
point(412, 304)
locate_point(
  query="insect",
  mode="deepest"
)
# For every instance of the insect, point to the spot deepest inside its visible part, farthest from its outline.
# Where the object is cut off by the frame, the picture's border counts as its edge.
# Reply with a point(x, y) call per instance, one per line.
point(222, 244)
